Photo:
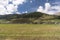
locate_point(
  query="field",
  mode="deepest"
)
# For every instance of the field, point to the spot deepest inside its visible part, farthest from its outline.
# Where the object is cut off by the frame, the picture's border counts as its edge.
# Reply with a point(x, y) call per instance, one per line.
point(29, 32)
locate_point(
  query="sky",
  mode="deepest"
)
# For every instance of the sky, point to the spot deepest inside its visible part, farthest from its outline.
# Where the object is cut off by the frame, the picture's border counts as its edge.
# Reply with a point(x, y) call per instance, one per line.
point(26, 6)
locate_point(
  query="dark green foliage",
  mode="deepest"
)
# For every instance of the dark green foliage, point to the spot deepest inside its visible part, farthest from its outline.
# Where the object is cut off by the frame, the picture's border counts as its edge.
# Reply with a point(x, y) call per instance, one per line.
point(34, 17)
point(58, 17)
point(21, 20)
point(26, 15)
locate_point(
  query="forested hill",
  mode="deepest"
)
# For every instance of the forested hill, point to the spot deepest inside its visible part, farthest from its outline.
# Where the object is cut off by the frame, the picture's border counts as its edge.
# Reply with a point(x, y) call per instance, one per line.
point(34, 17)
point(25, 15)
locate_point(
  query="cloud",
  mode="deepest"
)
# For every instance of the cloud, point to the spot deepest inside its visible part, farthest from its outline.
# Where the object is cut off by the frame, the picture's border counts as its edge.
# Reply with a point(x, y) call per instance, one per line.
point(2, 9)
point(40, 9)
point(46, 9)
point(31, 1)
point(58, 3)
point(49, 9)
point(17, 2)
point(25, 12)
point(56, 7)
point(51, 12)
point(6, 8)
point(10, 8)
point(18, 13)
point(4, 2)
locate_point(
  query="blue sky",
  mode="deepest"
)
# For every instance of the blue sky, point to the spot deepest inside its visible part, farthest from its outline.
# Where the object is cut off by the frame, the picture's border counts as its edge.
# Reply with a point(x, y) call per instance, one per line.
point(33, 6)
point(25, 6)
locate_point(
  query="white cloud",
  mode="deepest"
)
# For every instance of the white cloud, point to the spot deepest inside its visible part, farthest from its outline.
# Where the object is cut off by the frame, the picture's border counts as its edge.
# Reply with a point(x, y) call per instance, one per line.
point(49, 9)
point(2, 10)
point(4, 2)
point(6, 8)
point(51, 12)
point(18, 13)
point(31, 1)
point(56, 7)
point(25, 12)
point(58, 3)
point(17, 2)
point(10, 8)
point(40, 9)
point(10, 0)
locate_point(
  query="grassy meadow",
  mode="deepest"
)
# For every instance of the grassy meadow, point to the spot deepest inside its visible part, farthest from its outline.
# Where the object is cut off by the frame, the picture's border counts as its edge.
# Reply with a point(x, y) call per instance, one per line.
point(30, 31)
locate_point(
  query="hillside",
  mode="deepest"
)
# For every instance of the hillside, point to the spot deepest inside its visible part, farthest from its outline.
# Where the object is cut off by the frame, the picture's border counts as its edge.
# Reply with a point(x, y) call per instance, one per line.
point(34, 17)
point(25, 15)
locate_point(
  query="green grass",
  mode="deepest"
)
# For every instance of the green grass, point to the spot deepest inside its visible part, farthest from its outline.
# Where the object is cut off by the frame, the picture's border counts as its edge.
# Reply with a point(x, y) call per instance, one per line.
point(29, 32)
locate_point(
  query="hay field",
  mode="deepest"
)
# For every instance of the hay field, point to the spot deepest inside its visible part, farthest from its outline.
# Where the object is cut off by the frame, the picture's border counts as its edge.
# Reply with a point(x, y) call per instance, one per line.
point(29, 31)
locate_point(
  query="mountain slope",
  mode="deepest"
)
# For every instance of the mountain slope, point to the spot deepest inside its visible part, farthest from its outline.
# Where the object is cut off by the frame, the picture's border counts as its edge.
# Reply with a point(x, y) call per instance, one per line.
point(34, 17)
